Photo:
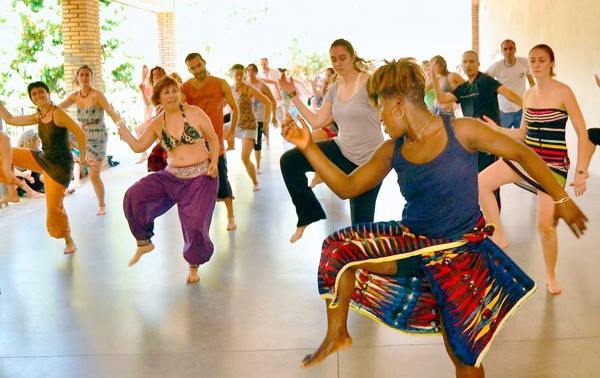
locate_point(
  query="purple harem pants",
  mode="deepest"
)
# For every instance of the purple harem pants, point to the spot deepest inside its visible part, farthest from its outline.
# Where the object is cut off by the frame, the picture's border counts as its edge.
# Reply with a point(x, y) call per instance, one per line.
point(156, 193)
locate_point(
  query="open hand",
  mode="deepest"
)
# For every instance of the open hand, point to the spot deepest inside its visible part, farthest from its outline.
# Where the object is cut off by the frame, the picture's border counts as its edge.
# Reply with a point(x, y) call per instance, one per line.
point(300, 136)
point(490, 122)
point(579, 184)
point(287, 85)
point(572, 215)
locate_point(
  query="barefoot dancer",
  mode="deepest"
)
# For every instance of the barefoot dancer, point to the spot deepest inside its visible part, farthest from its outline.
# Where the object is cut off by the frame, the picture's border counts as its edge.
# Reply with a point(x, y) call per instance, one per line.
point(547, 106)
point(435, 271)
point(259, 110)
point(54, 161)
point(359, 135)
point(91, 105)
point(189, 181)
point(247, 124)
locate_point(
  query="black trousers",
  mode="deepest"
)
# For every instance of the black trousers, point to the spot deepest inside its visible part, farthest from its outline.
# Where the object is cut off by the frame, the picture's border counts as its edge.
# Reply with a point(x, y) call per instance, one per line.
point(294, 167)
point(594, 135)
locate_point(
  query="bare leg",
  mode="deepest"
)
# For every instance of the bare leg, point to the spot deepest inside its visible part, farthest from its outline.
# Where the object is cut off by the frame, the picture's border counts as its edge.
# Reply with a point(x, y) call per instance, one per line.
point(257, 157)
point(462, 370)
point(337, 337)
point(95, 167)
point(70, 246)
point(490, 179)
point(7, 175)
point(193, 276)
point(549, 240)
point(247, 146)
point(29, 193)
point(139, 252)
point(230, 217)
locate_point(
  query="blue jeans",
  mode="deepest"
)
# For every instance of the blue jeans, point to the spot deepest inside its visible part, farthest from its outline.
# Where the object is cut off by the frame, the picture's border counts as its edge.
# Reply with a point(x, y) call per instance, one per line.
point(511, 120)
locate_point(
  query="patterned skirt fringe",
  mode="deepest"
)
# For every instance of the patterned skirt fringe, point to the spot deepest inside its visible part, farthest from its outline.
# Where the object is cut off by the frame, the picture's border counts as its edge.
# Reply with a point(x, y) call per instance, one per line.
point(470, 285)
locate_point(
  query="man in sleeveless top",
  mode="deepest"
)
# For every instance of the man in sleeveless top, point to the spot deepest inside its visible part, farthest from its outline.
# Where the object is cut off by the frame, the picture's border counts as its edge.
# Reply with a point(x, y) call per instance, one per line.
point(208, 93)
point(511, 71)
point(478, 96)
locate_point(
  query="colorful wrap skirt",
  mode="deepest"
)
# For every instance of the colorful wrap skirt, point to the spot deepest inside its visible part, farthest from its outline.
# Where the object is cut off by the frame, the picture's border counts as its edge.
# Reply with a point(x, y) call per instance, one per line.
point(467, 284)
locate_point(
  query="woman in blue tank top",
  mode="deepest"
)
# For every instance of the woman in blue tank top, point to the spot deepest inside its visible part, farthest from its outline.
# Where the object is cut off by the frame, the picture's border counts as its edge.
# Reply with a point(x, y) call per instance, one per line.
point(436, 270)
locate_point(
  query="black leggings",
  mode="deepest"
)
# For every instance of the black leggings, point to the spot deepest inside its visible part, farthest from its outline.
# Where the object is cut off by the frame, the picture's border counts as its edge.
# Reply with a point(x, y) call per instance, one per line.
point(259, 134)
point(294, 167)
point(594, 135)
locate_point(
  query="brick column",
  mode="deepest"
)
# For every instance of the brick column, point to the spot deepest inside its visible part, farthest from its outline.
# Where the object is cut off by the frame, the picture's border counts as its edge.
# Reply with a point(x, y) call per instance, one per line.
point(475, 25)
point(81, 36)
point(166, 41)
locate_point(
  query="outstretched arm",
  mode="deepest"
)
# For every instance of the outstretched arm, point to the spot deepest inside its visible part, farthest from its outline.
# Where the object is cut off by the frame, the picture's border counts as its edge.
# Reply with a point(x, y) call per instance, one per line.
point(322, 114)
point(476, 136)
point(67, 102)
point(510, 95)
point(147, 138)
point(264, 100)
point(104, 104)
point(26, 120)
point(361, 180)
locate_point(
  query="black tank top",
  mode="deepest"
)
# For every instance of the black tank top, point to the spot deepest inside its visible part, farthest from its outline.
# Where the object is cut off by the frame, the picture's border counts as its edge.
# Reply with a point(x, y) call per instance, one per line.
point(55, 158)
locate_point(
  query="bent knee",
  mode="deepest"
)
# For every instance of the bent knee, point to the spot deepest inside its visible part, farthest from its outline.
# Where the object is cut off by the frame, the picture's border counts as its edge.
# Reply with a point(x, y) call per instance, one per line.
point(547, 230)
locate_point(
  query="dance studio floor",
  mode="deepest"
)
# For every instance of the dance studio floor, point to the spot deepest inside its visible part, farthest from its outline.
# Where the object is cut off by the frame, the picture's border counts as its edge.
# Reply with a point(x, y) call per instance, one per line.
point(256, 312)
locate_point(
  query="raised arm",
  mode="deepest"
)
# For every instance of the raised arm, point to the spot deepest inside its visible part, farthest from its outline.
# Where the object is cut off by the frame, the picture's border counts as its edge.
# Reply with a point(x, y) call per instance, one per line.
point(510, 95)
point(69, 101)
point(361, 180)
point(263, 100)
point(61, 118)
point(322, 114)
point(583, 142)
point(26, 120)
point(475, 136)
point(147, 138)
point(267, 92)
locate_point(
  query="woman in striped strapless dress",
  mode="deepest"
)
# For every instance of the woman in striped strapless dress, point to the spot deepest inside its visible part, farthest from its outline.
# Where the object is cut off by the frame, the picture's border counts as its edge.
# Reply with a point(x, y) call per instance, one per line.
point(547, 107)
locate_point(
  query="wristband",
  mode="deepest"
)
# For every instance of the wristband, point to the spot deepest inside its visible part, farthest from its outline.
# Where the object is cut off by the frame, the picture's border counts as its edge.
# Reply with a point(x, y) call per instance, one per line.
point(562, 200)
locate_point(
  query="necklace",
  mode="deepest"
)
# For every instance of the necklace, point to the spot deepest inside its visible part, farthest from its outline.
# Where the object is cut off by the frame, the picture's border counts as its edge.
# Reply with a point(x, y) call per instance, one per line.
point(42, 116)
point(420, 134)
point(87, 94)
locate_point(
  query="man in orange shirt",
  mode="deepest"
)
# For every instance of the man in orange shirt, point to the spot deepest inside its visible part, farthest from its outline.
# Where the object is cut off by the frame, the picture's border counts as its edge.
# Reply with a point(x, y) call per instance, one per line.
point(208, 93)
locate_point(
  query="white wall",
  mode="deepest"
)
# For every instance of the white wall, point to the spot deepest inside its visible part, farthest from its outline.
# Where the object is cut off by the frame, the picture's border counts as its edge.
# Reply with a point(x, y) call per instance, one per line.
point(570, 27)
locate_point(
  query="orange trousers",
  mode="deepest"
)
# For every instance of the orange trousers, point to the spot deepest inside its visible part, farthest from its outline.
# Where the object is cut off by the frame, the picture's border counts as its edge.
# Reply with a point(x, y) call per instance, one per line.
point(57, 221)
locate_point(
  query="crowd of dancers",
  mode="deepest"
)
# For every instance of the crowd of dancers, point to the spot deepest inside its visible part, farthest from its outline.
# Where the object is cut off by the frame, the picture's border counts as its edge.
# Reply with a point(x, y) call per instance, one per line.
point(441, 268)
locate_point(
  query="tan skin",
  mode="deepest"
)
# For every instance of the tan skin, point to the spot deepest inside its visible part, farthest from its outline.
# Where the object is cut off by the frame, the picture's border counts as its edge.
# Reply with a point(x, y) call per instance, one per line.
point(197, 67)
point(589, 148)
point(454, 80)
point(47, 114)
point(471, 134)
point(470, 65)
point(84, 98)
point(181, 156)
point(343, 64)
point(548, 93)
point(252, 79)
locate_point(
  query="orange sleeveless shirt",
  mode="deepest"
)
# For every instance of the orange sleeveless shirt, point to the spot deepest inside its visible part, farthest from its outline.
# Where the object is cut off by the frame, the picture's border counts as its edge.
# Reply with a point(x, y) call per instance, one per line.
point(210, 99)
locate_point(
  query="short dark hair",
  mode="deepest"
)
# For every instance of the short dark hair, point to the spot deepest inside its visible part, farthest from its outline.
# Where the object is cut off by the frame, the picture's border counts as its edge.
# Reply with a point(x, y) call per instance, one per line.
point(155, 68)
point(194, 55)
point(235, 67)
point(506, 41)
point(252, 66)
point(37, 84)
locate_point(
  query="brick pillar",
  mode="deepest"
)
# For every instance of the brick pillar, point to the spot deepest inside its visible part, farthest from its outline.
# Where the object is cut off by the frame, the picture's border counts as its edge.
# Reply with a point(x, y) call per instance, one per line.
point(81, 36)
point(475, 25)
point(166, 41)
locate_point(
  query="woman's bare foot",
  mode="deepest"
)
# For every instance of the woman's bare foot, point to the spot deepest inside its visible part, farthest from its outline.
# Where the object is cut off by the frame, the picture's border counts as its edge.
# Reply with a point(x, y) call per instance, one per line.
point(328, 346)
point(193, 276)
point(139, 252)
point(34, 194)
point(553, 287)
point(12, 195)
point(298, 234)
point(231, 224)
point(101, 210)
point(70, 246)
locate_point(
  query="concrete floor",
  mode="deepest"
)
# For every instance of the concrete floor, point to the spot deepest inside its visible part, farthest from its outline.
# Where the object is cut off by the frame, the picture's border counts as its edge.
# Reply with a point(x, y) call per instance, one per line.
point(256, 312)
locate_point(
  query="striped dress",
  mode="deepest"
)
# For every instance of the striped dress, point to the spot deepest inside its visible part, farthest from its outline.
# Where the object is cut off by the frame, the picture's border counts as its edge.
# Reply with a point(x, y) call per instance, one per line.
point(546, 136)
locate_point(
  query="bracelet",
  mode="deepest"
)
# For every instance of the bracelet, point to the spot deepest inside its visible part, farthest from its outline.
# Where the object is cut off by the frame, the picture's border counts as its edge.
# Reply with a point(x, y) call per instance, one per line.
point(291, 95)
point(581, 172)
point(562, 200)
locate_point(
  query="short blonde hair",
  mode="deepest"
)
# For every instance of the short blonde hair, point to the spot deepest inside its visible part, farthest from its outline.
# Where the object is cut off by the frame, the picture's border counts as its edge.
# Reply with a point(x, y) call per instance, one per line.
point(403, 77)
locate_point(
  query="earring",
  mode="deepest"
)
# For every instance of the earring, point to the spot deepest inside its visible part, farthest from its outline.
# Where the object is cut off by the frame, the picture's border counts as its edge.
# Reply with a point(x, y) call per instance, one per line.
point(395, 114)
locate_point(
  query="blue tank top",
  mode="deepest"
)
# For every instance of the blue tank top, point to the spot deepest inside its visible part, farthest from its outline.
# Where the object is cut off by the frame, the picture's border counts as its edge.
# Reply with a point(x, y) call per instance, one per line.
point(442, 194)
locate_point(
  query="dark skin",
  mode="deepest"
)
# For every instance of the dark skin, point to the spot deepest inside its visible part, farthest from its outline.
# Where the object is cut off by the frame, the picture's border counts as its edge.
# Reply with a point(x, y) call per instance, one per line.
point(428, 137)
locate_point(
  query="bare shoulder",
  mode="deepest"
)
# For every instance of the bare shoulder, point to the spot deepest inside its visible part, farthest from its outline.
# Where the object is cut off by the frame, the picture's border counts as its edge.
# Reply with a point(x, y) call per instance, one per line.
point(195, 113)
point(463, 127)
